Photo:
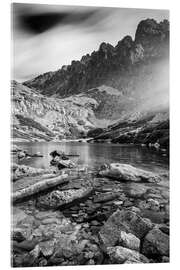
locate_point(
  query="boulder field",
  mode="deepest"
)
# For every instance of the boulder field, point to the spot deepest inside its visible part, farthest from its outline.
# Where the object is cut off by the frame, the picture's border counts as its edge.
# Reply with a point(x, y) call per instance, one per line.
point(91, 218)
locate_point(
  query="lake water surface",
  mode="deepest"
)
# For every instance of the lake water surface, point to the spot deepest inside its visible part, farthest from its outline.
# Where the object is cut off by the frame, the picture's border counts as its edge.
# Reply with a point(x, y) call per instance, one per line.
point(96, 154)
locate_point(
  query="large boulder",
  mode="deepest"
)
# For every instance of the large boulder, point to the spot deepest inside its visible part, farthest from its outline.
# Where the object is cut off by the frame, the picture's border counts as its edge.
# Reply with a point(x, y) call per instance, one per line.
point(62, 163)
point(155, 244)
point(120, 255)
point(124, 220)
point(126, 172)
point(57, 198)
point(60, 154)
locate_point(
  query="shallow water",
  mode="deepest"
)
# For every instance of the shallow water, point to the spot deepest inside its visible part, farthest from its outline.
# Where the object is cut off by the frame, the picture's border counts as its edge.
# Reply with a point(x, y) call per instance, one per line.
point(95, 154)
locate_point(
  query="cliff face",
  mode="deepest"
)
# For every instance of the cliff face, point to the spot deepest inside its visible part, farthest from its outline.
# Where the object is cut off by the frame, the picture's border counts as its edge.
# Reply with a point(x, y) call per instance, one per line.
point(112, 66)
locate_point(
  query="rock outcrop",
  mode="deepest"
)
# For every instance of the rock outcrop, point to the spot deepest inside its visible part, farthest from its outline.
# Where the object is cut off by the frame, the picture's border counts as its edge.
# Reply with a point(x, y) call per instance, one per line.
point(108, 63)
point(126, 172)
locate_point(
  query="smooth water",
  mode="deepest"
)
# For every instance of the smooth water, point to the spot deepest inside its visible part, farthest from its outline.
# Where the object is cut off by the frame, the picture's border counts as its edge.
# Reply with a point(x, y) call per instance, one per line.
point(95, 154)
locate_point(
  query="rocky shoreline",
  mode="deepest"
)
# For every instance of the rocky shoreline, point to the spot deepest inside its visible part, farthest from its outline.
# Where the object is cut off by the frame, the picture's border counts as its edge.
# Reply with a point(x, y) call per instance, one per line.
point(114, 215)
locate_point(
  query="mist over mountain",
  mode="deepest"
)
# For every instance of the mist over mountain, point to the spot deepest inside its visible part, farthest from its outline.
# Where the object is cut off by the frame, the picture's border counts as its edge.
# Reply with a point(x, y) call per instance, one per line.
point(126, 83)
point(133, 67)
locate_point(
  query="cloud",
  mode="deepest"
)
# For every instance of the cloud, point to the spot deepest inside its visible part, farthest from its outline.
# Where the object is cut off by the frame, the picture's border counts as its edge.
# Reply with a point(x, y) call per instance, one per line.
point(36, 19)
point(46, 37)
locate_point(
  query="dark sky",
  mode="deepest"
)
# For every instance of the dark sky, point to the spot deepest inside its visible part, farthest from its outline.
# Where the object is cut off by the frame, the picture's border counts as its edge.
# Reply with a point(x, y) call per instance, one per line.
point(45, 37)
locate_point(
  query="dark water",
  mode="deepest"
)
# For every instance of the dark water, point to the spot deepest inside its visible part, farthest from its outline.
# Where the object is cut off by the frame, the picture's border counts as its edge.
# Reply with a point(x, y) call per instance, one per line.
point(96, 154)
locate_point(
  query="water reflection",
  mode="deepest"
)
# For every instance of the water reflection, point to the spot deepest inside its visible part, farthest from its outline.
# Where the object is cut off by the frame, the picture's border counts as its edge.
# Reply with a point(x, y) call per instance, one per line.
point(95, 154)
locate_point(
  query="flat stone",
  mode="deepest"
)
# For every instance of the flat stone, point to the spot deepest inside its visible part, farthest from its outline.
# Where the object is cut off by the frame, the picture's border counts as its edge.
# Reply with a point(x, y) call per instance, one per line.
point(105, 197)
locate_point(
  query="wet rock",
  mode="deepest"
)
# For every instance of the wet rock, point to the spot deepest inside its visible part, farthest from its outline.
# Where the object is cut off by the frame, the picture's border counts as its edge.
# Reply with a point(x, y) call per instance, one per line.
point(47, 248)
point(27, 245)
point(15, 148)
point(35, 252)
point(19, 171)
point(164, 229)
point(105, 197)
point(43, 262)
point(118, 203)
point(21, 155)
point(57, 199)
point(155, 243)
point(126, 172)
point(94, 222)
point(127, 203)
point(165, 259)
point(153, 204)
point(18, 235)
point(59, 153)
point(81, 259)
point(136, 190)
point(55, 261)
point(24, 259)
point(61, 163)
point(99, 216)
point(156, 217)
point(129, 240)
point(123, 220)
point(120, 255)
point(95, 230)
point(93, 208)
point(150, 204)
point(134, 209)
point(90, 262)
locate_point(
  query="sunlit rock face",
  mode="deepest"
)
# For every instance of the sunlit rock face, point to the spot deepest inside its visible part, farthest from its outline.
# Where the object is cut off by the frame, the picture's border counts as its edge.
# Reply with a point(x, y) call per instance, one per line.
point(36, 117)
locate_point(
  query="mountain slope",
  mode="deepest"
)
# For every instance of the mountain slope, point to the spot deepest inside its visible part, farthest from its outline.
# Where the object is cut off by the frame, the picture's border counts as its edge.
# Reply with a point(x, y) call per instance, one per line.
point(37, 117)
point(117, 93)
point(151, 128)
point(119, 67)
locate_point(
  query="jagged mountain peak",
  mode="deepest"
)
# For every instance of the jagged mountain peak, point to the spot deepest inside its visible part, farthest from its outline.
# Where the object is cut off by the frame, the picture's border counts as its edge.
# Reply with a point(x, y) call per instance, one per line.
point(108, 65)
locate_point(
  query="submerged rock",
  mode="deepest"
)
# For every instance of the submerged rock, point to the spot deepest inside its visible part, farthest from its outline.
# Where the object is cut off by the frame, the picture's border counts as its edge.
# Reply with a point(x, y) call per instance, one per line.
point(105, 197)
point(126, 172)
point(57, 198)
point(19, 171)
